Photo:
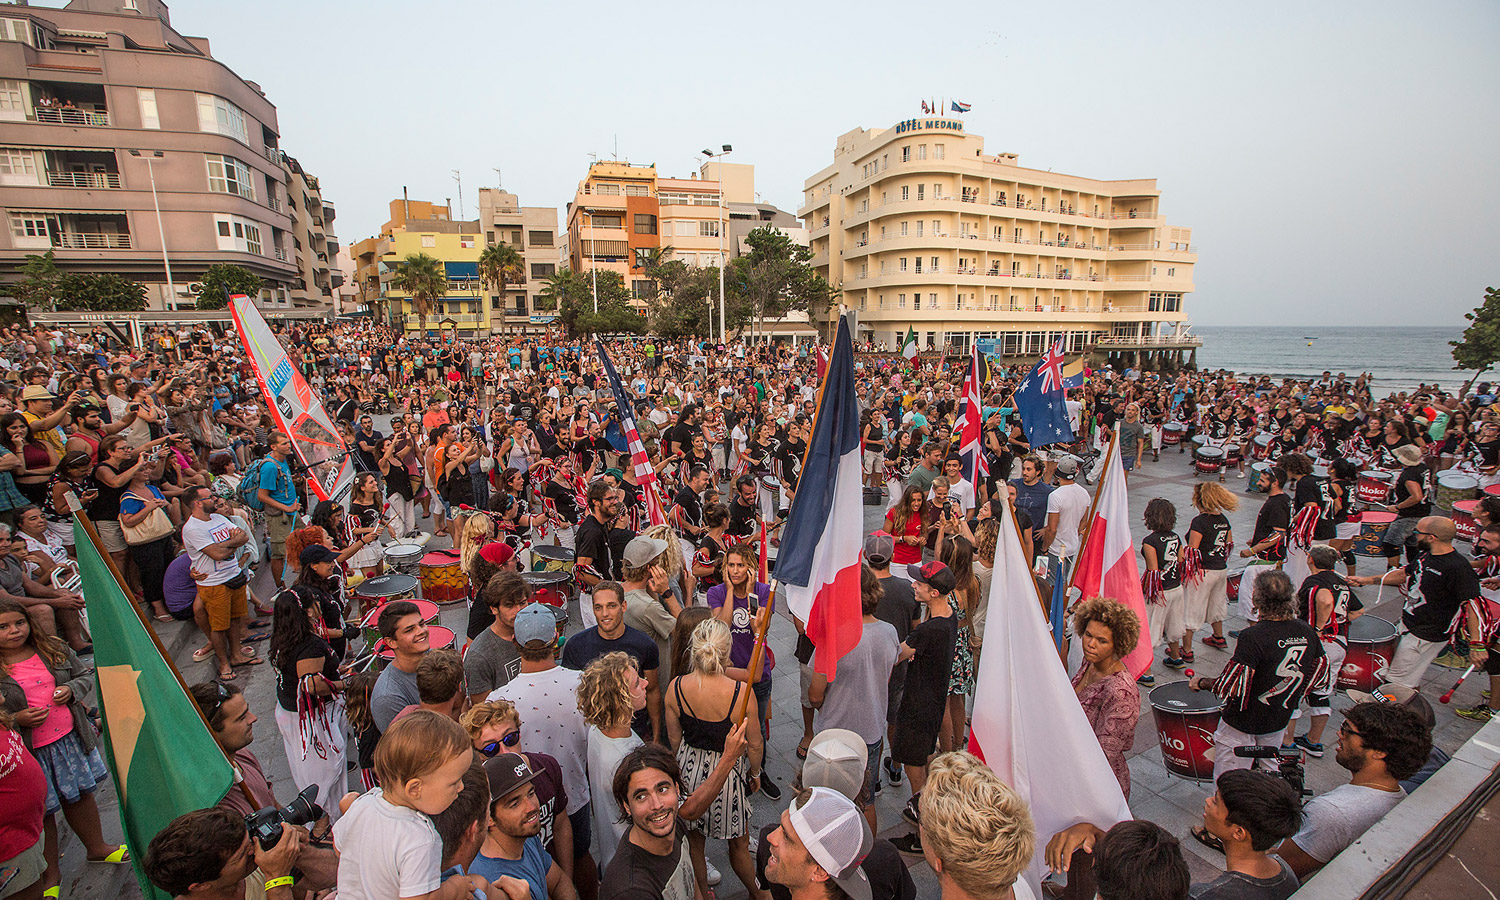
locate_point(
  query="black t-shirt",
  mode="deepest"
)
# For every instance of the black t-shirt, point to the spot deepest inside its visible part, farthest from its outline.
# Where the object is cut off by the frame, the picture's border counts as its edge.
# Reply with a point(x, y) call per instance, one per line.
point(587, 646)
point(564, 499)
point(1275, 513)
point(680, 437)
point(1214, 541)
point(935, 641)
point(1168, 547)
point(1417, 474)
point(1345, 601)
point(1437, 588)
point(691, 504)
point(1281, 657)
point(591, 542)
point(637, 874)
point(1315, 491)
point(790, 453)
point(286, 673)
point(884, 867)
point(741, 519)
point(709, 552)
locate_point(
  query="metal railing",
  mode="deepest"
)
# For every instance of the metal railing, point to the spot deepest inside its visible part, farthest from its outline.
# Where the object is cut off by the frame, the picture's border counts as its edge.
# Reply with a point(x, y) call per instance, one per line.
point(1002, 239)
point(1158, 340)
point(281, 254)
point(1031, 206)
point(49, 116)
point(84, 179)
point(74, 240)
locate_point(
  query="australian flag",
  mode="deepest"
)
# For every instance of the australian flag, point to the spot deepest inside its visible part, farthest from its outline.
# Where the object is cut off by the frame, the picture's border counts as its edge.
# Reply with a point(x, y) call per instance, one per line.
point(1039, 401)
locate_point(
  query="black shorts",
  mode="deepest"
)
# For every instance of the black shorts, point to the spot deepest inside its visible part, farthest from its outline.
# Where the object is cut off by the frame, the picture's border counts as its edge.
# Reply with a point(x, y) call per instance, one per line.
point(913, 746)
point(583, 830)
point(1492, 662)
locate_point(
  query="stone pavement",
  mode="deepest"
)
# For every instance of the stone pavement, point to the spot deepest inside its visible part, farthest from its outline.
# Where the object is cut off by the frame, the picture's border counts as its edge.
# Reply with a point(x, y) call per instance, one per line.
point(1174, 803)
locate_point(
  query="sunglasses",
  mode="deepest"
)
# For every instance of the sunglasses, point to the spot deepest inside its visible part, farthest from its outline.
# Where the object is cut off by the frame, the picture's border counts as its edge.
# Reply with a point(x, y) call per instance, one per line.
point(489, 750)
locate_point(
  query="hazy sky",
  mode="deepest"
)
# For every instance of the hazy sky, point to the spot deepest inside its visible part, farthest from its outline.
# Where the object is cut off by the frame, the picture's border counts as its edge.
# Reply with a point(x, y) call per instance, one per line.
point(1336, 161)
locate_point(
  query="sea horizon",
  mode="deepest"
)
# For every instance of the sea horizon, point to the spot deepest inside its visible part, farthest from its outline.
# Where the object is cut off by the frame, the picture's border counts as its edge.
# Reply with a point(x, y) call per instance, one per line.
point(1398, 356)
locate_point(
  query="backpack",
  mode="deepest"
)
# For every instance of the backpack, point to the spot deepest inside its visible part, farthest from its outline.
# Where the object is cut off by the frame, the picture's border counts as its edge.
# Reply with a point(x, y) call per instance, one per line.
point(249, 489)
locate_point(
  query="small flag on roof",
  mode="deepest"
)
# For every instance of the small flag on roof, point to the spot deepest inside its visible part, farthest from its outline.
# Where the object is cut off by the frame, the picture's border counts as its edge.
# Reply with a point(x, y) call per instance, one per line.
point(960, 107)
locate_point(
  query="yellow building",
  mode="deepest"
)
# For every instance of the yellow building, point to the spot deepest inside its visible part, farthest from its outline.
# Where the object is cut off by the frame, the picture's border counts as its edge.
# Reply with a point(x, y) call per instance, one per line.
point(417, 226)
point(920, 228)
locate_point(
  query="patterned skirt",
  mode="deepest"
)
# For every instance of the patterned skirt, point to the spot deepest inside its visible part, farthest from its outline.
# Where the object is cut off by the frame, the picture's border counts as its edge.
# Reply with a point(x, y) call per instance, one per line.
point(729, 815)
point(71, 771)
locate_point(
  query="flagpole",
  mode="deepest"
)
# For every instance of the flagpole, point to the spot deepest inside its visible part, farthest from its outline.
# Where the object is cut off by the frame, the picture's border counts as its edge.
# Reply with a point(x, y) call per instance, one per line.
point(88, 528)
point(757, 654)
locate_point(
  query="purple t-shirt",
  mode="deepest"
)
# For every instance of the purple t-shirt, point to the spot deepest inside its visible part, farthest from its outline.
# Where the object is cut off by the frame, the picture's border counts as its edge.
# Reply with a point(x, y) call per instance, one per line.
point(742, 625)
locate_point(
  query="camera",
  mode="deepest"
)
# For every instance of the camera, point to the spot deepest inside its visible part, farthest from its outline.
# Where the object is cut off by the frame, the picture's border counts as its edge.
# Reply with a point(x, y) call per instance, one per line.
point(264, 825)
point(1288, 765)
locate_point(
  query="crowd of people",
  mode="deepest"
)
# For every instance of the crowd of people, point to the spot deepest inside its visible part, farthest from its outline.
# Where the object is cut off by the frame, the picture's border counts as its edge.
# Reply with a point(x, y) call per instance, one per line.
point(643, 726)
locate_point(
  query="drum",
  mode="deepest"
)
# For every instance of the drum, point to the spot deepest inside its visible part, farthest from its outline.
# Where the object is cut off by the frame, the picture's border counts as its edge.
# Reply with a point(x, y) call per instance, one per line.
point(1320, 472)
point(1463, 520)
point(1374, 486)
point(404, 558)
point(1372, 645)
point(1256, 471)
point(370, 624)
point(438, 638)
point(769, 494)
point(1492, 491)
point(1232, 455)
point(1200, 440)
point(1207, 460)
point(1262, 446)
point(1372, 526)
point(551, 558)
point(1455, 486)
point(385, 588)
point(552, 589)
point(1185, 723)
point(1172, 432)
point(443, 579)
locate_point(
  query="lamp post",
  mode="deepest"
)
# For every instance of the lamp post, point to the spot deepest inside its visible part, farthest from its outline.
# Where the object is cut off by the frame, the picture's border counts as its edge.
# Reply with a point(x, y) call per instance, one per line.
point(593, 266)
point(160, 231)
point(718, 157)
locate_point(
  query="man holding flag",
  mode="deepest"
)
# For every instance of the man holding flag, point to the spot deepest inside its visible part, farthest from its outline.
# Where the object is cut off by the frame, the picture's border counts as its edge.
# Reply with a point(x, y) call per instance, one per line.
point(645, 473)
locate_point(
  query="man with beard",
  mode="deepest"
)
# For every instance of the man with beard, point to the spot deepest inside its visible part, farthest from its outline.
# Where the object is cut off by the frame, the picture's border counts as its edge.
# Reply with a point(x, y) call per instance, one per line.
point(1325, 602)
point(513, 842)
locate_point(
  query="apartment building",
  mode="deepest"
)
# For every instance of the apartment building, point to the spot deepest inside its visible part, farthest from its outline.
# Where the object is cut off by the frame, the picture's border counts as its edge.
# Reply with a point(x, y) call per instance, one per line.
point(107, 115)
point(421, 227)
point(920, 228)
point(532, 230)
point(315, 247)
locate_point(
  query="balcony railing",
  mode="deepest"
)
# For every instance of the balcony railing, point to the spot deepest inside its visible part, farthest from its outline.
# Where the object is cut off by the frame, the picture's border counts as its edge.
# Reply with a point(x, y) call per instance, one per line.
point(84, 179)
point(281, 254)
point(1157, 340)
point(1002, 239)
point(274, 204)
point(49, 116)
point(987, 200)
point(73, 240)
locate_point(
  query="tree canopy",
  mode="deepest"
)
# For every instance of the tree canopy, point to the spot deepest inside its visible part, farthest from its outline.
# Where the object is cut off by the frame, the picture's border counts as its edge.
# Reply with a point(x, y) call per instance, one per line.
point(572, 295)
point(38, 285)
point(1479, 349)
point(79, 291)
point(424, 279)
point(223, 280)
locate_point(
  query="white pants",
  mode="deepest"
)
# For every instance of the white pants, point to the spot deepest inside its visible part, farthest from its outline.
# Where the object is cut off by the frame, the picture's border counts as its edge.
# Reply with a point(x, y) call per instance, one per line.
point(1206, 602)
point(1164, 623)
point(567, 536)
point(586, 610)
point(1227, 737)
point(1413, 656)
point(894, 490)
point(321, 763)
point(403, 515)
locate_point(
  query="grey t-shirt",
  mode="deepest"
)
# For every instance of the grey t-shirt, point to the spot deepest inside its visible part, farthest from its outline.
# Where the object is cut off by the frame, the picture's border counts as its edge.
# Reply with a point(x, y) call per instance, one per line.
point(1131, 435)
point(856, 698)
point(394, 691)
point(491, 662)
point(1333, 821)
point(1237, 886)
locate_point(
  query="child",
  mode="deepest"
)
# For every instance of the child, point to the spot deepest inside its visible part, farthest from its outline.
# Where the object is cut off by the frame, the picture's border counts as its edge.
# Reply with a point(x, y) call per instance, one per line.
point(388, 846)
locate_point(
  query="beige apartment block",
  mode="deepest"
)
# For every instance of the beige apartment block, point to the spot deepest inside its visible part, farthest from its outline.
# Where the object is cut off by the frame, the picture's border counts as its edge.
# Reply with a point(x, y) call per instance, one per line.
point(532, 230)
point(101, 99)
point(920, 228)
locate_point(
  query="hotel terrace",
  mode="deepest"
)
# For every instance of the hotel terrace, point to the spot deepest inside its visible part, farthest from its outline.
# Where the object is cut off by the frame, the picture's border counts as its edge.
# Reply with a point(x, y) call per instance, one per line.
point(920, 228)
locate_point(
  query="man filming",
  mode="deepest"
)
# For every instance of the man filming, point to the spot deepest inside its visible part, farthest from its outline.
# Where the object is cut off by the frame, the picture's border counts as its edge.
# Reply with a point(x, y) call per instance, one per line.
point(208, 854)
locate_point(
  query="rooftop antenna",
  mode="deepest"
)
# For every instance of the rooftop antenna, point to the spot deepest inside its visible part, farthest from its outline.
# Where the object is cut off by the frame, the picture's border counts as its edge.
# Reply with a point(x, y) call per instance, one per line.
point(616, 154)
point(499, 182)
point(459, 179)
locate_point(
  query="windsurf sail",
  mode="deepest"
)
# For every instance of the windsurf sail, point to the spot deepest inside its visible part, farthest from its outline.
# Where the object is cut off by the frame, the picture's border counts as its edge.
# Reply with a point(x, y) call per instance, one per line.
point(297, 410)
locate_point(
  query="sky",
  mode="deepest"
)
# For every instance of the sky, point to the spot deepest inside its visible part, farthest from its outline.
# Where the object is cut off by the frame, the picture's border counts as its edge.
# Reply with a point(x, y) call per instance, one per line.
point(1335, 160)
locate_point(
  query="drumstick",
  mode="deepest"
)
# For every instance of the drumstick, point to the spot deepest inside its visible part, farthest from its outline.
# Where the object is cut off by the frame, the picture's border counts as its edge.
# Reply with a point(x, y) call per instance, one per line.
point(1449, 696)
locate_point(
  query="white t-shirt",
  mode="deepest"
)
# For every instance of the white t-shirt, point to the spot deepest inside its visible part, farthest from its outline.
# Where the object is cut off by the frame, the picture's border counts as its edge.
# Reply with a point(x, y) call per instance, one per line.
point(963, 492)
point(548, 705)
point(1070, 502)
point(386, 851)
point(1333, 821)
point(199, 533)
point(1075, 414)
point(604, 756)
point(48, 546)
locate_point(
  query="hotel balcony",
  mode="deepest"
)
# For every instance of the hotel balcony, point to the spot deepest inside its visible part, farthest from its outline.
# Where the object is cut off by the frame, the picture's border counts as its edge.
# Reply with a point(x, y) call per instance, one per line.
point(69, 231)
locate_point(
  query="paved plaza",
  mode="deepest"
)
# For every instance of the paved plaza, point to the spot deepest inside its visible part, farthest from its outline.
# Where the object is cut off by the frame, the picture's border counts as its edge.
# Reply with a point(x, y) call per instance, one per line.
point(1172, 802)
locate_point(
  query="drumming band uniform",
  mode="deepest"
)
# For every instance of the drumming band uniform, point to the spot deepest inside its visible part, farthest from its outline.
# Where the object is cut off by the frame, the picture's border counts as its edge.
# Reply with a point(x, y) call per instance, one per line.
point(1334, 633)
point(1164, 620)
point(1438, 586)
point(1207, 601)
point(1313, 490)
point(1398, 531)
point(742, 519)
point(1275, 515)
point(1274, 665)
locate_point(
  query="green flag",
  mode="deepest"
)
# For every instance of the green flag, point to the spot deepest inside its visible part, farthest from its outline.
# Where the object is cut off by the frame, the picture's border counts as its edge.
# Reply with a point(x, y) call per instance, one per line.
point(909, 343)
point(162, 757)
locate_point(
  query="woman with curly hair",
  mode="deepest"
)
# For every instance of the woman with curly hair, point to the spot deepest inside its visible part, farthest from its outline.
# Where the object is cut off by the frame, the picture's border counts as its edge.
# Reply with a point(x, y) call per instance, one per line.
point(1109, 631)
point(609, 694)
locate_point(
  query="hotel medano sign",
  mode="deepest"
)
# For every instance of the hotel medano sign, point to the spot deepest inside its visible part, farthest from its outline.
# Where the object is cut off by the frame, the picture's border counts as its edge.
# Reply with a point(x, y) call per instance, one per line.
point(929, 125)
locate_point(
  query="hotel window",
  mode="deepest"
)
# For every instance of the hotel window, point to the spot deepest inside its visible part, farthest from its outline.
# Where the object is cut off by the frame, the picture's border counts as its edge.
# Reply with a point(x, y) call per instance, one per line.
point(864, 270)
point(906, 154)
point(901, 301)
point(937, 151)
point(882, 232)
point(921, 151)
point(918, 261)
point(28, 224)
point(920, 189)
point(864, 205)
point(903, 264)
point(916, 301)
point(937, 227)
point(227, 175)
point(217, 115)
point(1015, 270)
point(905, 191)
point(935, 264)
point(994, 301)
point(149, 117)
point(903, 229)
point(240, 234)
point(937, 192)
point(685, 228)
point(919, 228)
point(15, 30)
point(883, 198)
point(1016, 236)
point(999, 233)
point(1172, 271)
point(708, 229)
point(645, 223)
point(11, 100)
point(932, 301)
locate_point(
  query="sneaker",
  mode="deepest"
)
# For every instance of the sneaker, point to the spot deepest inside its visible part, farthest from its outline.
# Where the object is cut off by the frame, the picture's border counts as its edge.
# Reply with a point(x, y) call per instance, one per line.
point(768, 787)
point(1146, 680)
point(1234, 634)
point(1242, 475)
point(1313, 750)
point(892, 771)
point(1485, 693)
point(876, 792)
point(1173, 662)
point(714, 876)
point(1214, 641)
point(1450, 660)
point(908, 843)
point(1480, 713)
point(1187, 655)
point(1289, 748)
point(910, 812)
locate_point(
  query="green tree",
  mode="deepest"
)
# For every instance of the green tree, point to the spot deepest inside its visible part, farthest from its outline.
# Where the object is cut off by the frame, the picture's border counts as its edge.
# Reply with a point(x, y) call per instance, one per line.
point(499, 265)
point(77, 291)
point(223, 280)
point(1480, 348)
point(38, 285)
point(423, 278)
point(774, 278)
point(685, 304)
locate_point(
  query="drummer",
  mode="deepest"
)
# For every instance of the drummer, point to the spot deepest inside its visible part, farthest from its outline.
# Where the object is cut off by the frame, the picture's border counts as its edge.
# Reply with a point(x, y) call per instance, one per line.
point(1268, 541)
point(1410, 504)
point(1483, 456)
point(1324, 601)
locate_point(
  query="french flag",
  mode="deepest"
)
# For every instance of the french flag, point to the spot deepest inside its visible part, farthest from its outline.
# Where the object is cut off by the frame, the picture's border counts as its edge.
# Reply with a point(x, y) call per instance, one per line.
point(1106, 564)
point(820, 549)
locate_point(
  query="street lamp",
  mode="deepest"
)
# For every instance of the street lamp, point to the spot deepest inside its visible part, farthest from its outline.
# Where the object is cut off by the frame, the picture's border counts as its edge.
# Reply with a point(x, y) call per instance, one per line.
point(718, 157)
point(160, 231)
point(593, 266)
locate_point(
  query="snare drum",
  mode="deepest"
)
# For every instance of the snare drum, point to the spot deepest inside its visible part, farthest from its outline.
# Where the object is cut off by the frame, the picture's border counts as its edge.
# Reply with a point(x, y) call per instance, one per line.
point(443, 579)
point(1200, 440)
point(1455, 486)
point(1262, 446)
point(551, 558)
point(552, 589)
point(1207, 460)
point(1372, 645)
point(1256, 471)
point(1492, 491)
point(405, 558)
point(1185, 724)
point(1463, 520)
point(1172, 432)
point(1374, 486)
point(385, 588)
point(1372, 526)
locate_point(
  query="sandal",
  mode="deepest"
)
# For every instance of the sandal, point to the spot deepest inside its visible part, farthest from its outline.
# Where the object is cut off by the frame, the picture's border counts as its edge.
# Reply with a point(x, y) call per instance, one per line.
point(202, 653)
point(164, 618)
point(802, 750)
point(228, 676)
point(119, 856)
point(252, 661)
point(1201, 835)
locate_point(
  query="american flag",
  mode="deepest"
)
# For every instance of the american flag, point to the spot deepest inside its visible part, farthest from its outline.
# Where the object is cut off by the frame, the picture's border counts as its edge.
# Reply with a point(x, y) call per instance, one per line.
point(645, 475)
point(970, 425)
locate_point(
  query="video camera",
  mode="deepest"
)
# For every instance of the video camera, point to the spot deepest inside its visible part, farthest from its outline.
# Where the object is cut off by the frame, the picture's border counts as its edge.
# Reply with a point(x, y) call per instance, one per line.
point(1288, 765)
point(265, 824)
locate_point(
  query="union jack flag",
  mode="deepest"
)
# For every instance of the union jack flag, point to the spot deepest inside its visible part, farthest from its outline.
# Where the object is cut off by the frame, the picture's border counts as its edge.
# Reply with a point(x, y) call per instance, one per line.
point(1051, 367)
point(970, 425)
point(645, 474)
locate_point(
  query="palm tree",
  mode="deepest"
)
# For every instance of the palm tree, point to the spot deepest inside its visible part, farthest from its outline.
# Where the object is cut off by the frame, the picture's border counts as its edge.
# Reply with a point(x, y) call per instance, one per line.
point(424, 279)
point(498, 264)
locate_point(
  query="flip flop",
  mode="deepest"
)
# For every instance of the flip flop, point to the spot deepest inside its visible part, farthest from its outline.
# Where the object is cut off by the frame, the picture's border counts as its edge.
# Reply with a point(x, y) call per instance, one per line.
point(202, 653)
point(256, 638)
point(52, 892)
point(802, 751)
point(1201, 835)
point(120, 856)
point(252, 661)
point(228, 676)
point(164, 618)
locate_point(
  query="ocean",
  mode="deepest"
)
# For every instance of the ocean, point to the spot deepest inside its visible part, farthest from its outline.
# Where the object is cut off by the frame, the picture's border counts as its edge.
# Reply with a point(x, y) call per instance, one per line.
point(1399, 358)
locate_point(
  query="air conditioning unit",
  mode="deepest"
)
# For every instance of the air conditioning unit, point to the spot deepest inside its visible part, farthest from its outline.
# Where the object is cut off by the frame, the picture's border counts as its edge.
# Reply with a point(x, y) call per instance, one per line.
point(195, 288)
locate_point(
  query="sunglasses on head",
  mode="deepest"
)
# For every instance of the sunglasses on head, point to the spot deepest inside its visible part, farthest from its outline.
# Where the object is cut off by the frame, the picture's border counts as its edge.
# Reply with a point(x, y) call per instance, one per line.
point(489, 750)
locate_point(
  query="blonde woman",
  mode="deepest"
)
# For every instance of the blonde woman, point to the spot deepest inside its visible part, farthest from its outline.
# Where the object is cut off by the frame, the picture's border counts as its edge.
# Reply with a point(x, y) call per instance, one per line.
point(610, 692)
point(673, 560)
point(700, 707)
point(987, 536)
point(1206, 565)
point(477, 531)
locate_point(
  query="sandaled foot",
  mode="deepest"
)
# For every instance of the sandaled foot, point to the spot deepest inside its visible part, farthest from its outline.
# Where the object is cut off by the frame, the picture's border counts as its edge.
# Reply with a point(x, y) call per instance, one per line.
point(118, 856)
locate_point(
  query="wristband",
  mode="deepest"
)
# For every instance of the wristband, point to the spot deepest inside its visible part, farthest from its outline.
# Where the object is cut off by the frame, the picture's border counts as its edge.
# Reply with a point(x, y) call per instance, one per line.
point(283, 881)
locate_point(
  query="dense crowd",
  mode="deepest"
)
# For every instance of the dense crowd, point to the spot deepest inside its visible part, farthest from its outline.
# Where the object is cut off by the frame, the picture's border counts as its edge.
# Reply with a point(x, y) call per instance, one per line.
point(532, 759)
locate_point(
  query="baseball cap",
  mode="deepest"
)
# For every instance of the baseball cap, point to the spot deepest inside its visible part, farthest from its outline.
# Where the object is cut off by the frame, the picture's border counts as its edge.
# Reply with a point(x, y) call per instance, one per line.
point(497, 553)
point(316, 553)
point(1401, 695)
point(506, 772)
point(641, 550)
point(1067, 466)
point(535, 622)
point(836, 836)
point(933, 574)
point(879, 548)
point(836, 759)
point(36, 392)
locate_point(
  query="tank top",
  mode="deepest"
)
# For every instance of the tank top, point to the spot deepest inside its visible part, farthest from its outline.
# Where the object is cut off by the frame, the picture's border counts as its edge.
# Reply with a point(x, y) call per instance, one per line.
point(702, 734)
point(106, 506)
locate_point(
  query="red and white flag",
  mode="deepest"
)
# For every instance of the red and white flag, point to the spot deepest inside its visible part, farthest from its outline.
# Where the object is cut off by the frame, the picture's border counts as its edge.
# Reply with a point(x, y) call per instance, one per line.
point(969, 428)
point(1027, 725)
point(1106, 564)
